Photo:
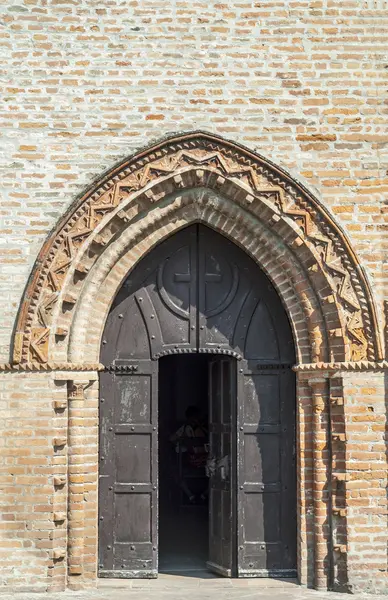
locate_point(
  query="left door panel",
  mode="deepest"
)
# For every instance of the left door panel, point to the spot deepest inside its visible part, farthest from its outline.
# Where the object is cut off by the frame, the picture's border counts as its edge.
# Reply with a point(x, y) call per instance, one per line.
point(128, 476)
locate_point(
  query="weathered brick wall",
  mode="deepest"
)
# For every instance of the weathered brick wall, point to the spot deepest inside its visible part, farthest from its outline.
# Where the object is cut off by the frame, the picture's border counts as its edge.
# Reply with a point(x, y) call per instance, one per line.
point(26, 526)
point(40, 457)
point(366, 485)
point(303, 83)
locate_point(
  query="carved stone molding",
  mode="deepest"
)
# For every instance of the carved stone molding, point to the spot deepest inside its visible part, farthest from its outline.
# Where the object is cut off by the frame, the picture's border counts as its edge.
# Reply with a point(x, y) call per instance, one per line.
point(49, 366)
point(142, 182)
point(363, 365)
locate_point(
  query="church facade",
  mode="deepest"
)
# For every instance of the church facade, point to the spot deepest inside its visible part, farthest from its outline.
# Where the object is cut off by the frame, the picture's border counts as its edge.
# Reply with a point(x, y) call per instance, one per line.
point(194, 179)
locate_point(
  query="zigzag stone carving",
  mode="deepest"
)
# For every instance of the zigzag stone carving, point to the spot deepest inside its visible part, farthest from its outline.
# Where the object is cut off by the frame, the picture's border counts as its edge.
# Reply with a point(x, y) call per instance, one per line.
point(173, 157)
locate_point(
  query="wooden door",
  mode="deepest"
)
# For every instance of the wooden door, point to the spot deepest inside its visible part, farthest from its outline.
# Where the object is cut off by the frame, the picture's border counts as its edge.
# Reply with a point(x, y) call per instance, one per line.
point(222, 420)
point(128, 482)
point(155, 311)
point(199, 292)
point(266, 474)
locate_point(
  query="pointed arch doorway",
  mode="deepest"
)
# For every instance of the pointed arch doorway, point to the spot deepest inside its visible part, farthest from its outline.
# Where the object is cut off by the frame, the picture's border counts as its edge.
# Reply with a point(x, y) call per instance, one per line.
point(198, 295)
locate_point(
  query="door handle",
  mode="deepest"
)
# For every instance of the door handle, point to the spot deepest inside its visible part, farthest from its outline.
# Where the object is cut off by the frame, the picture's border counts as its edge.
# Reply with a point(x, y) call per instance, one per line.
point(223, 465)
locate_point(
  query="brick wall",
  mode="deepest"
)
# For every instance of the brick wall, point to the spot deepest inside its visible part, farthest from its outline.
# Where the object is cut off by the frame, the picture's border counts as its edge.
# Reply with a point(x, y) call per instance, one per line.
point(303, 83)
point(47, 443)
point(27, 460)
point(366, 484)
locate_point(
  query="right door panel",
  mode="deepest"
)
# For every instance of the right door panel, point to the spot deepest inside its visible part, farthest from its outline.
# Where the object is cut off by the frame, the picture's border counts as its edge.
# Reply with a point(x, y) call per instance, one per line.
point(266, 478)
point(222, 411)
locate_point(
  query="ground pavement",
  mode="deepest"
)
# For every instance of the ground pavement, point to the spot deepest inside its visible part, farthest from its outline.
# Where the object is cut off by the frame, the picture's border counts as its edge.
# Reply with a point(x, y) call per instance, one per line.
point(191, 587)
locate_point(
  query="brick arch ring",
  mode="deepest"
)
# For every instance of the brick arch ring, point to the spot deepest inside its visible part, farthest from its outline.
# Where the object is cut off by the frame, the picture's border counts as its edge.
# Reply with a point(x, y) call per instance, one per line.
point(197, 177)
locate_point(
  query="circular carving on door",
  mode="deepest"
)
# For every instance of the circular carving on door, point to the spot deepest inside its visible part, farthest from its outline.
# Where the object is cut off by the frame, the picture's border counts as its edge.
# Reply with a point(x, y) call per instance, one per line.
point(178, 280)
point(229, 295)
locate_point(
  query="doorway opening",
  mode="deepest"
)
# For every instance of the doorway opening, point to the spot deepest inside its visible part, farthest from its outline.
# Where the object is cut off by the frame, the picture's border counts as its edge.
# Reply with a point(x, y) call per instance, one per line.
point(183, 453)
point(232, 510)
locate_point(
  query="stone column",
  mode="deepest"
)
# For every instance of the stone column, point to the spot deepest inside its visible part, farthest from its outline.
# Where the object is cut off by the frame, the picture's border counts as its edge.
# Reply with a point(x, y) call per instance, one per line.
point(338, 485)
point(76, 398)
point(58, 535)
point(319, 390)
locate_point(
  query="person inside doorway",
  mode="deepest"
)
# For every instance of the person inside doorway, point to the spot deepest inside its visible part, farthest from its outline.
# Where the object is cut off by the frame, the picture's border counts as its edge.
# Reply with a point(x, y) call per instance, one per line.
point(191, 447)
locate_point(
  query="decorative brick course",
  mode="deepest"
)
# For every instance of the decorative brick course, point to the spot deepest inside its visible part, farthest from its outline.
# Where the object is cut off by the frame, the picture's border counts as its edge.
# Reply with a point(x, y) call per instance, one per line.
point(249, 190)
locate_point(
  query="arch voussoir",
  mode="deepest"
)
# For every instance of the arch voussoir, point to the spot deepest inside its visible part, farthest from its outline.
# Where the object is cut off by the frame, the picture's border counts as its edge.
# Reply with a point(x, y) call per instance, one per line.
point(251, 201)
point(264, 248)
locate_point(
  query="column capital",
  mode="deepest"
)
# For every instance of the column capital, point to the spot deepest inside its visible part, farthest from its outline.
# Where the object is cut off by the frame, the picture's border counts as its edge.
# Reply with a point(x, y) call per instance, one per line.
point(319, 389)
point(76, 389)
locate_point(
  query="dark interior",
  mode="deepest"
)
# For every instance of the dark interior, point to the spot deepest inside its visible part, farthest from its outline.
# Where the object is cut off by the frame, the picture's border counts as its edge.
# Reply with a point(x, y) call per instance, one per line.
point(183, 485)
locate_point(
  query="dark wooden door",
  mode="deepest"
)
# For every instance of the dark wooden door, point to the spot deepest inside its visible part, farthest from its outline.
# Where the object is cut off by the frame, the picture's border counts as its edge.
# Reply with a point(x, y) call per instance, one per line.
point(266, 507)
point(222, 423)
point(198, 292)
point(128, 479)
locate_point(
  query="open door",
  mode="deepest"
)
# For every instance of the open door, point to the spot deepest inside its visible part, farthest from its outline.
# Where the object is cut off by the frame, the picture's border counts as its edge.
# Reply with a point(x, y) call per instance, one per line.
point(222, 410)
point(128, 470)
point(198, 292)
point(266, 494)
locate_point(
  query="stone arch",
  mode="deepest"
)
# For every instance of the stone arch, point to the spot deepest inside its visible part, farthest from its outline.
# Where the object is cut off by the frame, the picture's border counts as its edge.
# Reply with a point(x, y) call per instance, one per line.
point(198, 205)
point(188, 178)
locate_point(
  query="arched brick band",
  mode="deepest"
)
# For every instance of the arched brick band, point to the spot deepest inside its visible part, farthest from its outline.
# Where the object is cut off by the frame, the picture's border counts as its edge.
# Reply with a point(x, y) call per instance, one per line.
point(310, 319)
point(130, 202)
